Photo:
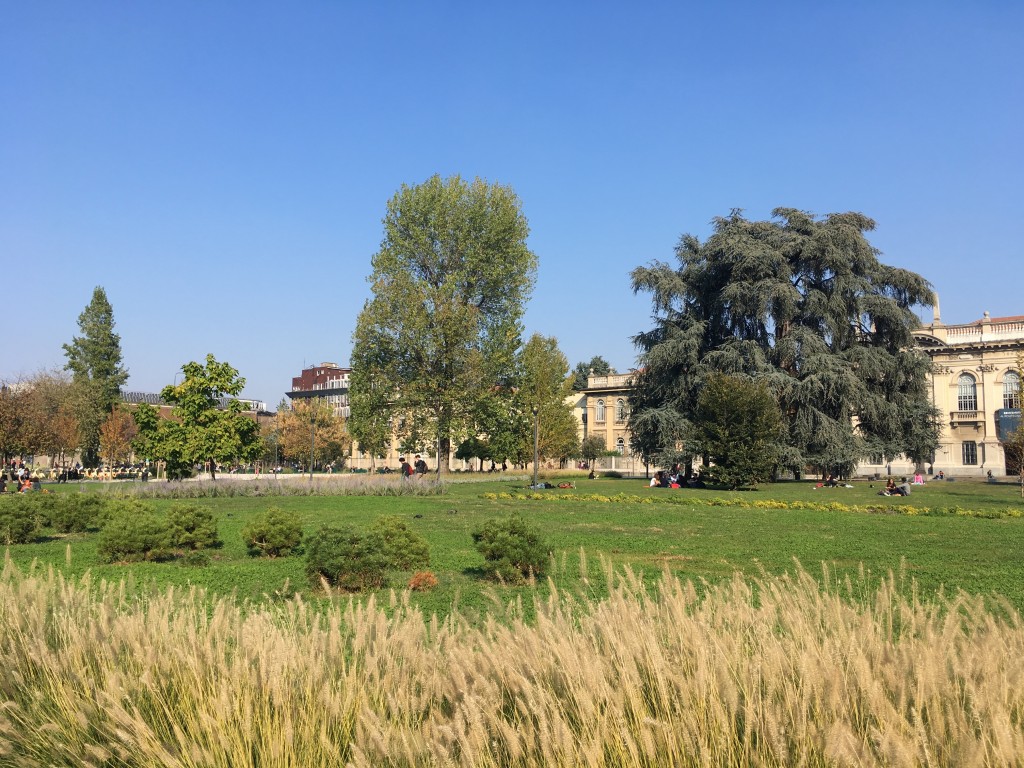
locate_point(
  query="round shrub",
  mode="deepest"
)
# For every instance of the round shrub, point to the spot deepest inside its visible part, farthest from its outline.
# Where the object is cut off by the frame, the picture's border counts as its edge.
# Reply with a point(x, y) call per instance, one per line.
point(402, 548)
point(17, 520)
point(512, 548)
point(77, 512)
point(134, 532)
point(275, 533)
point(192, 527)
point(343, 557)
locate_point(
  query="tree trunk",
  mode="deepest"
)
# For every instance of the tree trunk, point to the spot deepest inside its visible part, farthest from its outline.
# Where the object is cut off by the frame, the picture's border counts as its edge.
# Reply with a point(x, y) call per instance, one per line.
point(444, 445)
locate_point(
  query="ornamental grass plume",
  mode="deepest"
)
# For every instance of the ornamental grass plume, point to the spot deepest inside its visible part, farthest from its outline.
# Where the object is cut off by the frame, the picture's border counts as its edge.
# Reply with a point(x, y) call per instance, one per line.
point(771, 671)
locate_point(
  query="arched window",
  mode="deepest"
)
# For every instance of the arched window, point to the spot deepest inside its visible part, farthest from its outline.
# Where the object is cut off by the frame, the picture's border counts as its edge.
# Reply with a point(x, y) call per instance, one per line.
point(620, 446)
point(620, 410)
point(1011, 390)
point(599, 411)
point(967, 393)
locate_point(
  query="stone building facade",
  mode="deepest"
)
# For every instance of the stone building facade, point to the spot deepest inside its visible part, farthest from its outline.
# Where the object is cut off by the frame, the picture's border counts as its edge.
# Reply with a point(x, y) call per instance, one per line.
point(974, 383)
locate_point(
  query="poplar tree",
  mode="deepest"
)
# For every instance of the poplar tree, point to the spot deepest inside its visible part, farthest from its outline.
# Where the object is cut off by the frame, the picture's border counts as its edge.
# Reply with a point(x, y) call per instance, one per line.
point(444, 323)
point(804, 304)
point(94, 359)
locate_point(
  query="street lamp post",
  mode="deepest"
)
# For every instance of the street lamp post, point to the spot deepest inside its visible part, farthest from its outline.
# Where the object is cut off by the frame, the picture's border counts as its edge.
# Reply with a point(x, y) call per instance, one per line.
point(536, 445)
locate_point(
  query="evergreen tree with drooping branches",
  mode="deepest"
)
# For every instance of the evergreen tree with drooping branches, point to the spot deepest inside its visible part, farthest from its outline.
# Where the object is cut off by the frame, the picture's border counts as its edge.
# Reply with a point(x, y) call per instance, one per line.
point(804, 304)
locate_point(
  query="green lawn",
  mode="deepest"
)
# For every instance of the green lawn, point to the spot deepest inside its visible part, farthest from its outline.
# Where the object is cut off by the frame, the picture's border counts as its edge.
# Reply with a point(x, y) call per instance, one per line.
point(700, 542)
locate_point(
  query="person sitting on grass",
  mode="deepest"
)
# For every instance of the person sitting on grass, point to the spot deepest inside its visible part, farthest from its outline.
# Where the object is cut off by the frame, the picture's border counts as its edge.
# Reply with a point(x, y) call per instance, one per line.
point(659, 480)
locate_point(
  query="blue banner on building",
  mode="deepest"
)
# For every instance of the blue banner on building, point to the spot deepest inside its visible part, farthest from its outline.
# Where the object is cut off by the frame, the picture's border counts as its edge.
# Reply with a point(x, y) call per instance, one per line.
point(1007, 422)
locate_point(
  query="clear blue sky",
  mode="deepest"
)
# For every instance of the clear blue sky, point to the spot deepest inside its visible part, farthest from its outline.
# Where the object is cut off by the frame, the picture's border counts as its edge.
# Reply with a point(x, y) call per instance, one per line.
point(221, 169)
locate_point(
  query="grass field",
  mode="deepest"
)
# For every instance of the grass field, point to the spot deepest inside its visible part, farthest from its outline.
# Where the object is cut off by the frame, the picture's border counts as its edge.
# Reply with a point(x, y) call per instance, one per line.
point(711, 657)
point(677, 530)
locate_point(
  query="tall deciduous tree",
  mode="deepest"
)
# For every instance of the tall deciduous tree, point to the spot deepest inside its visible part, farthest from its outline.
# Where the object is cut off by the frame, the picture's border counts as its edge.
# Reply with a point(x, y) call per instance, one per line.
point(805, 304)
point(50, 420)
point(12, 418)
point(311, 426)
point(545, 383)
point(202, 431)
point(117, 432)
point(443, 326)
point(94, 359)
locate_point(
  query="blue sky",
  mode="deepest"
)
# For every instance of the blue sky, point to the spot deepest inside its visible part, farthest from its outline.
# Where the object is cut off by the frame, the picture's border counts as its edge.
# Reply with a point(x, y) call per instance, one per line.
point(222, 169)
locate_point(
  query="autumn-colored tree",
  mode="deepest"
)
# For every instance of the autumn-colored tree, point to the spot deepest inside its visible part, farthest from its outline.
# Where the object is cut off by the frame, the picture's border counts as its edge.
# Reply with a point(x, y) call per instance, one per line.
point(312, 426)
point(117, 432)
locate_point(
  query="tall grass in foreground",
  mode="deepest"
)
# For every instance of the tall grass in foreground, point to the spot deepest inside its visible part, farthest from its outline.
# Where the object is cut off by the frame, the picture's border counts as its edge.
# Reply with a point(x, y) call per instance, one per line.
point(772, 671)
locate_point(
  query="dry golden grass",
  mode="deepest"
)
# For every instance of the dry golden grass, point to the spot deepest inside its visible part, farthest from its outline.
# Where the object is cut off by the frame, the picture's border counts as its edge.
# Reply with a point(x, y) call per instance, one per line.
point(770, 672)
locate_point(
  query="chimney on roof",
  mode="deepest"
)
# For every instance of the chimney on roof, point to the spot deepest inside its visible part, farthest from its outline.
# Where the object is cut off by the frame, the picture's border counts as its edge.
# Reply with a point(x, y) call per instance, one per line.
point(936, 315)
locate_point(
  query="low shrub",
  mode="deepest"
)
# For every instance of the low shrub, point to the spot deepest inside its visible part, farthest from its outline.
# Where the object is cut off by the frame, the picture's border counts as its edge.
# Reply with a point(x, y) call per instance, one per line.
point(18, 523)
point(345, 558)
point(192, 527)
point(134, 532)
point(195, 559)
point(402, 548)
point(512, 548)
point(77, 512)
point(275, 533)
point(423, 581)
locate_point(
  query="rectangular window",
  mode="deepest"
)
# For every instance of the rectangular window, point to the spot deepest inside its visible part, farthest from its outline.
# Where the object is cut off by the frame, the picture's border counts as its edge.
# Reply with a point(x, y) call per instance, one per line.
point(970, 453)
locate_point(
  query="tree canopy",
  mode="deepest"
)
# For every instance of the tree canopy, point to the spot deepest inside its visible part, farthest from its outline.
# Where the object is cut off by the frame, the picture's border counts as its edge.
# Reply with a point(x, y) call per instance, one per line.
point(94, 359)
point(444, 323)
point(546, 385)
point(597, 366)
point(311, 425)
point(804, 304)
point(202, 431)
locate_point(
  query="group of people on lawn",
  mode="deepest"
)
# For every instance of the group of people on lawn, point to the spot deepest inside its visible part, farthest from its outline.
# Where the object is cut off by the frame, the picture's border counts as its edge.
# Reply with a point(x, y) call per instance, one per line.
point(675, 478)
point(22, 480)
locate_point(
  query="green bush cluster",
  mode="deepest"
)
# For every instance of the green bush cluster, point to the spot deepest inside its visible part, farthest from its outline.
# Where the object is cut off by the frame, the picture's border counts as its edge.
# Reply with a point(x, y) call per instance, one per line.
point(346, 558)
point(275, 533)
point(134, 534)
point(512, 548)
point(77, 512)
point(134, 531)
point(18, 520)
point(24, 515)
point(192, 527)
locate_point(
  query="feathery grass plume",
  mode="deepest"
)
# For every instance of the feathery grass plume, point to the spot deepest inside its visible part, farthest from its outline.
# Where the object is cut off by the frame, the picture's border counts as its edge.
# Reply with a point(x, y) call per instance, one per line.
point(787, 670)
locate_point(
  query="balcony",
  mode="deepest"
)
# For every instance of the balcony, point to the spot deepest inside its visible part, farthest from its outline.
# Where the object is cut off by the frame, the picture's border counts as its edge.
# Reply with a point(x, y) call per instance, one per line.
point(613, 381)
point(966, 418)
